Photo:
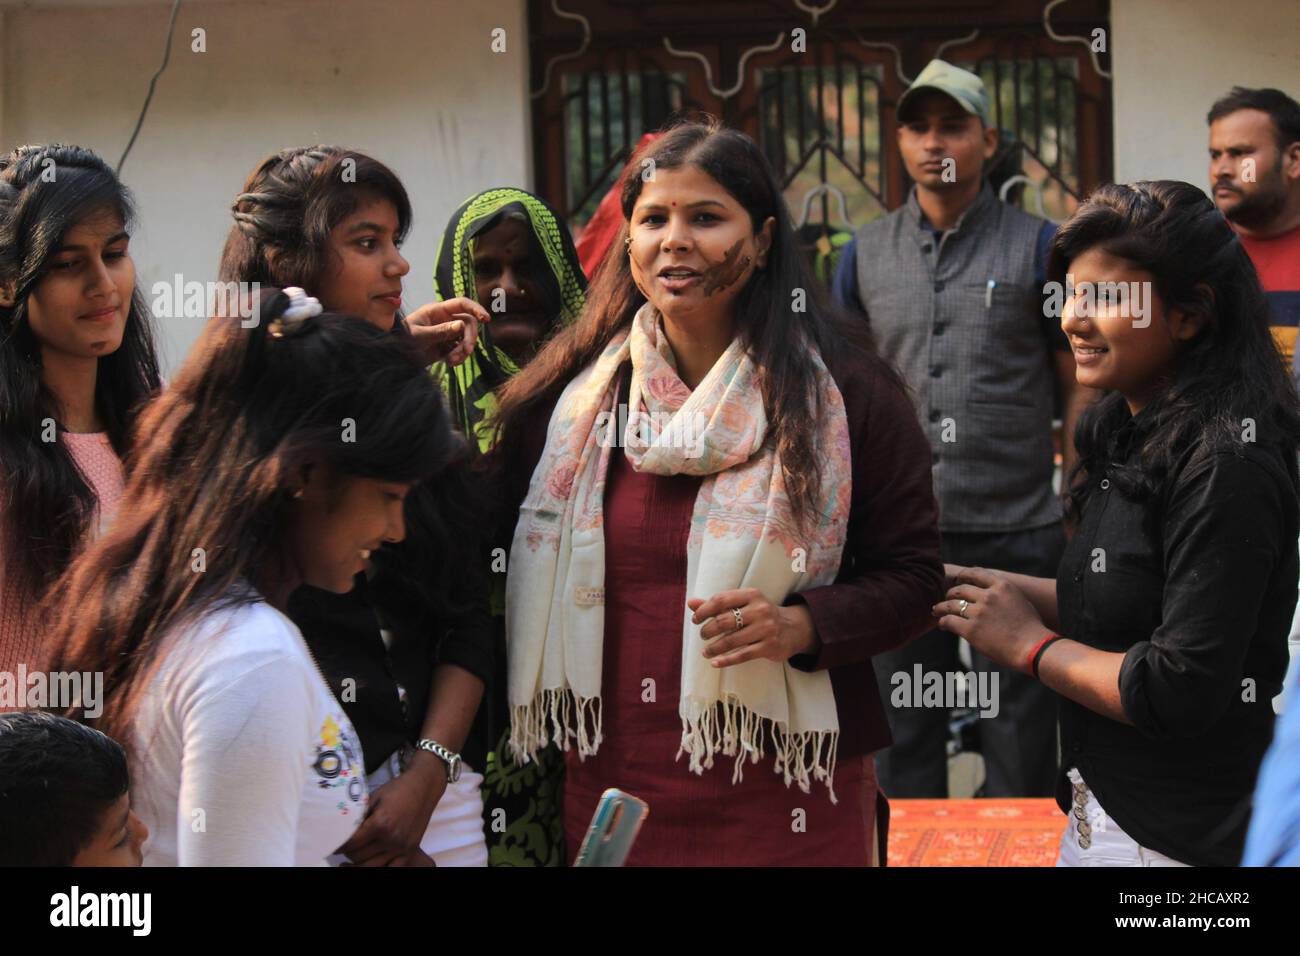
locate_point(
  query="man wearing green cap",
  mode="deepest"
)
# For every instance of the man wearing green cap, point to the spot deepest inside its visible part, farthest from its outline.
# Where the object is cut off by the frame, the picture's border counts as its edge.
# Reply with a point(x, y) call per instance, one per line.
point(951, 284)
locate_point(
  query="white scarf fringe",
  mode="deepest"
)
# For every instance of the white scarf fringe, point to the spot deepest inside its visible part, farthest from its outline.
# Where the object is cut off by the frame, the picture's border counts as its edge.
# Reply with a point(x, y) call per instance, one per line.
point(528, 724)
point(801, 757)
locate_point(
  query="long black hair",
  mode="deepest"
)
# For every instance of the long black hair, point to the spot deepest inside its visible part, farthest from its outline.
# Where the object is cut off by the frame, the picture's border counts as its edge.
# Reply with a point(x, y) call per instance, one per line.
point(778, 337)
point(44, 192)
point(1231, 372)
point(218, 453)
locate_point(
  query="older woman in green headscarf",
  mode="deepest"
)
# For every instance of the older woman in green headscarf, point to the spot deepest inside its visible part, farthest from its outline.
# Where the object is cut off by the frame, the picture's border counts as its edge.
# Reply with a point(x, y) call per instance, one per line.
point(508, 249)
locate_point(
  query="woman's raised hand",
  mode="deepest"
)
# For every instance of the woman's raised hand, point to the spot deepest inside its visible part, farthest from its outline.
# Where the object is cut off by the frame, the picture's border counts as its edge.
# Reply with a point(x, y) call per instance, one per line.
point(447, 331)
point(991, 613)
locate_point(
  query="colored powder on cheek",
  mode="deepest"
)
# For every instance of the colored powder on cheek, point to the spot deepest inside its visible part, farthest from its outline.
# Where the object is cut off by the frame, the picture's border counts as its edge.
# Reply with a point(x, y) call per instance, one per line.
point(722, 275)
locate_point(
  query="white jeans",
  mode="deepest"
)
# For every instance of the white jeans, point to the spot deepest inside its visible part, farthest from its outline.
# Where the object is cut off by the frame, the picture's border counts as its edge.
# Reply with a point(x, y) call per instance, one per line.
point(455, 835)
point(1092, 838)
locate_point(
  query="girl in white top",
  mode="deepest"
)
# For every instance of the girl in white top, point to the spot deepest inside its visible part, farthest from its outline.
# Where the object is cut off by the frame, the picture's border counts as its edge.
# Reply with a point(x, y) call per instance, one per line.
point(251, 760)
point(280, 456)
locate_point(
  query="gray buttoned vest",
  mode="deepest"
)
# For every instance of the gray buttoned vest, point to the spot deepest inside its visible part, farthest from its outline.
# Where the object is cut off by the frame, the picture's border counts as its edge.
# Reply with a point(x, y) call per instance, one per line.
point(960, 316)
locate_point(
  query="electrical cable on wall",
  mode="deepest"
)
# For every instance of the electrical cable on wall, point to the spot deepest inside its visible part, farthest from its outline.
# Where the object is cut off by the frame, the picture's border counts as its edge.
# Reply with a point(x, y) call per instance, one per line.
point(144, 110)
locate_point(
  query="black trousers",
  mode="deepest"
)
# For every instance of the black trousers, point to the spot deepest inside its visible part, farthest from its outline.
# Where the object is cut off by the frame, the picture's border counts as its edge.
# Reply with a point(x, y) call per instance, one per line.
point(1019, 744)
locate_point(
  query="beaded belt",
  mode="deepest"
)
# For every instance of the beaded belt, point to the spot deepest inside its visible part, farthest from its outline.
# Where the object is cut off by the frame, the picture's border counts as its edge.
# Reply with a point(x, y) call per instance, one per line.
point(1080, 809)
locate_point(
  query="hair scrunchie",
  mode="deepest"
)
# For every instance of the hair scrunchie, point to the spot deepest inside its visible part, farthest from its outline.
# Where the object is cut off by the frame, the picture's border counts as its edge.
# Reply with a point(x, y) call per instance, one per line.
point(301, 308)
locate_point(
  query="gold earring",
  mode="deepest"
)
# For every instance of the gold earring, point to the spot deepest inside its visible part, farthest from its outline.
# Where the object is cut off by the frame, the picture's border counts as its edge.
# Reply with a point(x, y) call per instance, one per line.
point(627, 244)
point(298, 493)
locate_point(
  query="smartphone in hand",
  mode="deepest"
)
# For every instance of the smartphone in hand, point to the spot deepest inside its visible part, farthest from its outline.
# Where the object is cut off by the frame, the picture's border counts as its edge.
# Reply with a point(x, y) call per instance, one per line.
point(613, 829)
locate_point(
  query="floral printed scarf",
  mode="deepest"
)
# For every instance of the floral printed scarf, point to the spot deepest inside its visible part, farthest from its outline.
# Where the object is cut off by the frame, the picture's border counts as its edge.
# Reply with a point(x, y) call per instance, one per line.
point(742, 534)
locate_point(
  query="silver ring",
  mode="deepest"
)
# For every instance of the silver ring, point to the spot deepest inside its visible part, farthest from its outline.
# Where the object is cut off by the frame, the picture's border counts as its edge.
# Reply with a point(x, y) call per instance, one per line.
point(961, 607)
point(740, 619)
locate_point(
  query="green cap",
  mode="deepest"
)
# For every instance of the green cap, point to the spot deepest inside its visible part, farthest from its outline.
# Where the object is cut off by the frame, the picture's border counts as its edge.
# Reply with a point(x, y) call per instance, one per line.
point(962, 85)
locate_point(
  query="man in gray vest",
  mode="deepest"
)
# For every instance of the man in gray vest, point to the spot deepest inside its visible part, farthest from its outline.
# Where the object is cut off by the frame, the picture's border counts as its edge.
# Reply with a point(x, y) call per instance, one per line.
point(951, 284)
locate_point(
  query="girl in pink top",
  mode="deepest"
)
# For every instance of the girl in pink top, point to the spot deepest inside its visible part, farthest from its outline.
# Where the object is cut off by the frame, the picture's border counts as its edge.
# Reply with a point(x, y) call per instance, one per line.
point(76, 360)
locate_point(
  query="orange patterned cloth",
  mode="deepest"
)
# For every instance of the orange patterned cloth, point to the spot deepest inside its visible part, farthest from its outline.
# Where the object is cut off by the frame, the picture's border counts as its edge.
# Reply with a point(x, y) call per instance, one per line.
point(1020, 832)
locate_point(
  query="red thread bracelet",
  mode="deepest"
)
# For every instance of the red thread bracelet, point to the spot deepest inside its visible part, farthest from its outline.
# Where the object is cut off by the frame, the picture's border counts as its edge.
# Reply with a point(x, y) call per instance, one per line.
point(1032, 661)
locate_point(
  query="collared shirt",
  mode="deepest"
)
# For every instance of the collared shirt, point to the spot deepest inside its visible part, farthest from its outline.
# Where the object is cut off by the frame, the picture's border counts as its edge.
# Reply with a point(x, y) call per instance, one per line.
point(960, 315)
point(384, 680)
point(1196, 587)
point(386, 694)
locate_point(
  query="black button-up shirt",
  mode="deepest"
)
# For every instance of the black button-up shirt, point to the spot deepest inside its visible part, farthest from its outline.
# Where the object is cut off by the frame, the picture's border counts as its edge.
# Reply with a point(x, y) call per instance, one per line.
point(1196, 587)
point(384, 685)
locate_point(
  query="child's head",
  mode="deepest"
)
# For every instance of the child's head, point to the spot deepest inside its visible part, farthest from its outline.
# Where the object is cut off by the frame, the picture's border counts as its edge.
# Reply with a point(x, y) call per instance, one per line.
point(64, 795)
point(328, 219)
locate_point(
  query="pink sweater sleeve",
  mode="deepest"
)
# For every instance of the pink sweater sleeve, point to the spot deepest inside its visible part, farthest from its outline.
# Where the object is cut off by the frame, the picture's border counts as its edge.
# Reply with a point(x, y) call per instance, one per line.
point(20, 633)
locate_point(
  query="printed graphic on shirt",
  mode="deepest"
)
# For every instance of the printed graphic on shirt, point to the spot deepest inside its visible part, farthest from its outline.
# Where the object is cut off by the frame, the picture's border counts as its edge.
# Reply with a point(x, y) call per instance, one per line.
point(338, 766)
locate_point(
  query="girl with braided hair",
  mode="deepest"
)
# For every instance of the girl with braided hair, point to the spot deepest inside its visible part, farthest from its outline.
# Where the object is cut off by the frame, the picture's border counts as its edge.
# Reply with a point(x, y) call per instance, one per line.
point(333, 220)
point(76, 361)
point(409, 649)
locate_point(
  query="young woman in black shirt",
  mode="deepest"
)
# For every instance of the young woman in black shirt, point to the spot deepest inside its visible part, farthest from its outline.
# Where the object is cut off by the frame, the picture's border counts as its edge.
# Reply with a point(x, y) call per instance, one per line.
point(1165, 630)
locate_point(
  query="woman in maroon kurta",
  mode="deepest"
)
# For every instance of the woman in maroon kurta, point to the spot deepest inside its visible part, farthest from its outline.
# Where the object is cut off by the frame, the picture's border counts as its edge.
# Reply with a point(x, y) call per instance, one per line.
point(888, 577)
